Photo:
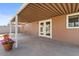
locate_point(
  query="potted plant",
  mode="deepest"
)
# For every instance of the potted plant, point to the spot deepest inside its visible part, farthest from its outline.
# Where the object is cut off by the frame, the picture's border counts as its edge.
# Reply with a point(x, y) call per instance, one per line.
point(7, 43)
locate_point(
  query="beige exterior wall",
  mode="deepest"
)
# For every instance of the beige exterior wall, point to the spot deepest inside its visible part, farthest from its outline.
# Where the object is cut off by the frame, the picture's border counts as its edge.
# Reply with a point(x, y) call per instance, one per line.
point(61, 33)
point(31, 28)
point(59, 30)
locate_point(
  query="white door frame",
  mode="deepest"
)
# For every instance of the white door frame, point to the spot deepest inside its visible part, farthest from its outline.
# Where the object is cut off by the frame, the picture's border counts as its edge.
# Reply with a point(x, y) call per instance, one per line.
point(44, 21)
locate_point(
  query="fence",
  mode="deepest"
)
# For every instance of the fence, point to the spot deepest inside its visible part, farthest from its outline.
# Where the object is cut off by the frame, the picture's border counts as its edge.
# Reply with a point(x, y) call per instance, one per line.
point(6, 29)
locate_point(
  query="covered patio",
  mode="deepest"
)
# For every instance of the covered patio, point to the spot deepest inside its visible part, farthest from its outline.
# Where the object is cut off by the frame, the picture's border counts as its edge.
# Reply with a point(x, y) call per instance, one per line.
point(31, 12)
point(29, 45)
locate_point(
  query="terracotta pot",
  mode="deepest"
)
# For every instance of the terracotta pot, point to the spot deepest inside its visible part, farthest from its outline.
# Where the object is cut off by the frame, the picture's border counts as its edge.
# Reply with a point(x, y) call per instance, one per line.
point(8, 47)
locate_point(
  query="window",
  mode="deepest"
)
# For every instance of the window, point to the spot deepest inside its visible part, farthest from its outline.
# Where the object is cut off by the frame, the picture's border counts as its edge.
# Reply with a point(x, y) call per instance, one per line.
point(73, 20)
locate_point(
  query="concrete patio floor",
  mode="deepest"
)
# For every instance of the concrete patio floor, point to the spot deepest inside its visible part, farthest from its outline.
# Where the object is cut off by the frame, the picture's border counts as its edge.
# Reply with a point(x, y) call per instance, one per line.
point(35, 46)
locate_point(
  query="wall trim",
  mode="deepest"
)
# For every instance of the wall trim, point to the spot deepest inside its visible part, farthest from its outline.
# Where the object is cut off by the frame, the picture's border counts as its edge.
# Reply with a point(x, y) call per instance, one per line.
point(67, 21)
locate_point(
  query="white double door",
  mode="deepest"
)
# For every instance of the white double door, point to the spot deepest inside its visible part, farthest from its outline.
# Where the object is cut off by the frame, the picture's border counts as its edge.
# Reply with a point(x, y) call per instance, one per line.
point(45, 28)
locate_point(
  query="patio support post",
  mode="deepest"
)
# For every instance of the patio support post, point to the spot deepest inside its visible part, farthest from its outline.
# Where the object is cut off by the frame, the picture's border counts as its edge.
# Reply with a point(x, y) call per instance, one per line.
point(10, 28)
point(16, 31)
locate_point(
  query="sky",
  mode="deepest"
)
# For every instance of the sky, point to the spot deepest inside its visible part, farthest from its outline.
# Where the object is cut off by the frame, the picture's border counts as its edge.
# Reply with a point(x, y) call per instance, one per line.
point(7, 10)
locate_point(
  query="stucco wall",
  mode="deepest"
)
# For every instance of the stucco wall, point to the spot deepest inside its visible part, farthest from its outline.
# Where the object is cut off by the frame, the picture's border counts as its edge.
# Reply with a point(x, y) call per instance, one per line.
point(61, 33)
point(31, 28)
point(59, 30)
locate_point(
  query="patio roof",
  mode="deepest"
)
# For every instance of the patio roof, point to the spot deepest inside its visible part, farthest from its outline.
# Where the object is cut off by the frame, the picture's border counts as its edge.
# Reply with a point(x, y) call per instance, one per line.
point(40, 11)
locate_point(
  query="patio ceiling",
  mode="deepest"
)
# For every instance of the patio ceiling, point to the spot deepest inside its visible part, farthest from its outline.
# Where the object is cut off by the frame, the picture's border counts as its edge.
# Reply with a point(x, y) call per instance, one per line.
point(40, 11)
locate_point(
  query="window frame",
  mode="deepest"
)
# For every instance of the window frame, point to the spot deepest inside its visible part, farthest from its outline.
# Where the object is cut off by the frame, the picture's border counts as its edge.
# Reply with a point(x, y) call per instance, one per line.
point(67, 21)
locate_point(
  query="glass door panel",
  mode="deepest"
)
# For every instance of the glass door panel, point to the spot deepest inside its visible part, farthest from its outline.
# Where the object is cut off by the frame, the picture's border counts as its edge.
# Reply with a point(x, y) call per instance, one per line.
point(41, 30)
point(48, 28)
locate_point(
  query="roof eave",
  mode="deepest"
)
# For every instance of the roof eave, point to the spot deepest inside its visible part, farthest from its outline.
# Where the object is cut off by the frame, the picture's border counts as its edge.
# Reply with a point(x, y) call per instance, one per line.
point(20, 10)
